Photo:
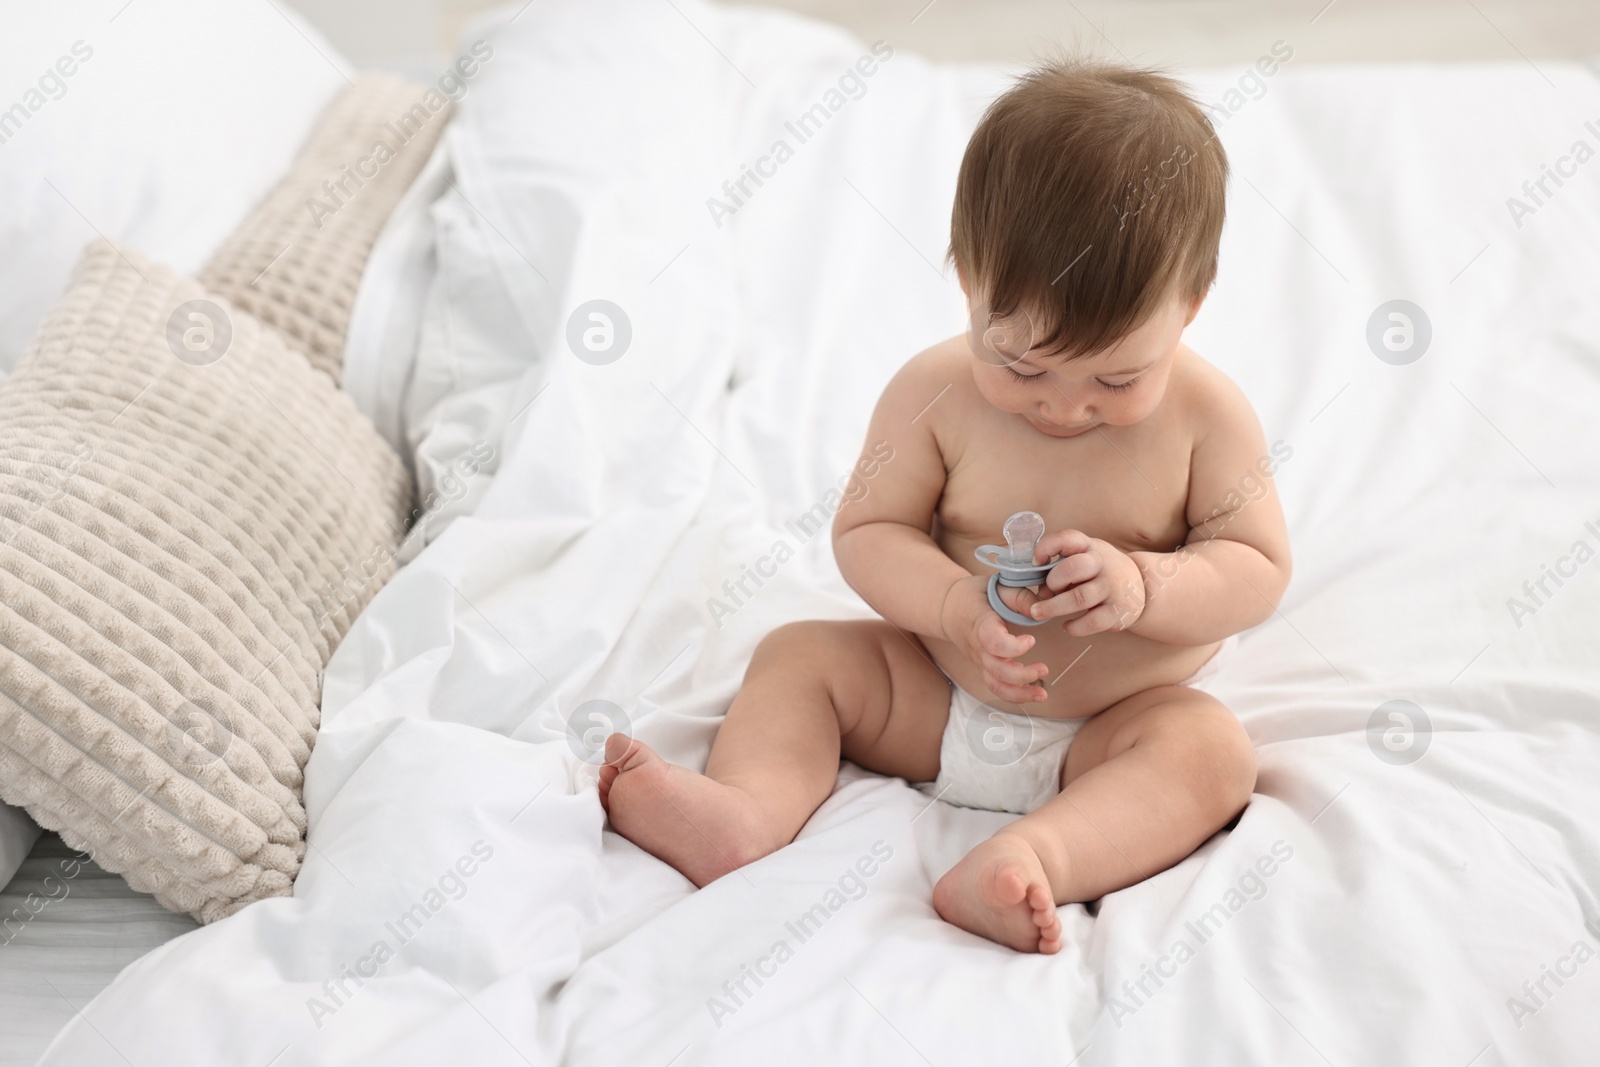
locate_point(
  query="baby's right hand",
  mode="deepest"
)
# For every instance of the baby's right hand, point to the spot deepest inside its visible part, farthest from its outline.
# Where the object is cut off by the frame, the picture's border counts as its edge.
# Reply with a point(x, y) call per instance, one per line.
point(972, 625)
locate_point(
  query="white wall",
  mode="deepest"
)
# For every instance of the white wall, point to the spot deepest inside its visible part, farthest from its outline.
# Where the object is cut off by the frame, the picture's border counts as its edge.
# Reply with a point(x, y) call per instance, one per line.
point(415, 36)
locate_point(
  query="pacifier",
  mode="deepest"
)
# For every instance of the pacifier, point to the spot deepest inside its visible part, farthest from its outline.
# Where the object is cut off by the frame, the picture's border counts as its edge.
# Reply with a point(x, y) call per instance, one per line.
point(1015, 563)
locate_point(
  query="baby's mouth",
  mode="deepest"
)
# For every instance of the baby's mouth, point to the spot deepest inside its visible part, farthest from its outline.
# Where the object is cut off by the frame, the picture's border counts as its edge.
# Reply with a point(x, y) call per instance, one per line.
point(1056, 429)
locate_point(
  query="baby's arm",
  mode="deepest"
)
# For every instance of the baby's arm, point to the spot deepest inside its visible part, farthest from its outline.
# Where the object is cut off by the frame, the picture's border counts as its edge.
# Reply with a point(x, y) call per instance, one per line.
point(883, 542)
point(1234, 564)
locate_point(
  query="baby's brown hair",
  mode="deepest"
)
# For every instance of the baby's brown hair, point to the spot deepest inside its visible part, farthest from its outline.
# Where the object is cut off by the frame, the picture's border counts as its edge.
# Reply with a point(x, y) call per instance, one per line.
point(1088, 194)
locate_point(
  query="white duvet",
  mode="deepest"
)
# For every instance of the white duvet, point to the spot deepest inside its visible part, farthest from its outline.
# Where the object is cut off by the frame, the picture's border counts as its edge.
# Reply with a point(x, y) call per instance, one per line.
point(462, 901)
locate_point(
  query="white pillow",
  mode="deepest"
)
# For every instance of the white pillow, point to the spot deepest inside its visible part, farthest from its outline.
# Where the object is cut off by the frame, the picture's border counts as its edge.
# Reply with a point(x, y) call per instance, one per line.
point(176, 118)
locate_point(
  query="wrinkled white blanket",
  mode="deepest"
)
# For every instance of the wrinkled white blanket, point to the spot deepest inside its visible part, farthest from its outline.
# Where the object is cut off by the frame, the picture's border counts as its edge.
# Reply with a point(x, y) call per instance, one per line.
point(461, 901)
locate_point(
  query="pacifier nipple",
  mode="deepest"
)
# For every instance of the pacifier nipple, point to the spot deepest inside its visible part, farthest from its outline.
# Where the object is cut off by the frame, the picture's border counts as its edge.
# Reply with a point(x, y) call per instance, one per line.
point(1022, 532)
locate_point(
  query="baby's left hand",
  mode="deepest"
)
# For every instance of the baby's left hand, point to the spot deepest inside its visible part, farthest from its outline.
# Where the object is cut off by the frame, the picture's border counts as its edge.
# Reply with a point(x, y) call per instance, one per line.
point(1097, 584)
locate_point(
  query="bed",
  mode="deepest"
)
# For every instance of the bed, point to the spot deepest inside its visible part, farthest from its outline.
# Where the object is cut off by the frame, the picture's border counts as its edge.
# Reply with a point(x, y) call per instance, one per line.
point(1415, 878)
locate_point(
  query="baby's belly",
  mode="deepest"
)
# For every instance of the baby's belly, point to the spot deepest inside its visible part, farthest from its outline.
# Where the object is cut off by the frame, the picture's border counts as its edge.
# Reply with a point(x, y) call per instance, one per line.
point(1087, 674)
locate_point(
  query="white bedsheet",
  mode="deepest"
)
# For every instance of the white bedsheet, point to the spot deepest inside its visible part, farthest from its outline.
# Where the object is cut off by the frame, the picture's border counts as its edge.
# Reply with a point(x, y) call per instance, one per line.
point(1361, 912)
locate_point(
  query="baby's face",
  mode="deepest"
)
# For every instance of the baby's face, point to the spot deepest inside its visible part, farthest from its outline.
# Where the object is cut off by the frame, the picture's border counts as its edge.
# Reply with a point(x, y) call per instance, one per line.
point(1117, 386)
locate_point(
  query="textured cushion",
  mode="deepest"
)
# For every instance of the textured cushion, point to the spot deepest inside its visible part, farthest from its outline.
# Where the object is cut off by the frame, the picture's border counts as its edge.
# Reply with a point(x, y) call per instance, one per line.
point(190, 518)
point(296, 261)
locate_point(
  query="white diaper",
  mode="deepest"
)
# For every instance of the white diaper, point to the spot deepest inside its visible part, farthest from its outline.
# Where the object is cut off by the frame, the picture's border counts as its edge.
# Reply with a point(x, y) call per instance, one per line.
point(999, 761)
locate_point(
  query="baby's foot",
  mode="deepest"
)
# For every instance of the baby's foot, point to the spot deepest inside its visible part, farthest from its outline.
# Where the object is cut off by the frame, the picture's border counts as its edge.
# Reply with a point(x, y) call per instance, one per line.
point(999, 891)
point(701, 827)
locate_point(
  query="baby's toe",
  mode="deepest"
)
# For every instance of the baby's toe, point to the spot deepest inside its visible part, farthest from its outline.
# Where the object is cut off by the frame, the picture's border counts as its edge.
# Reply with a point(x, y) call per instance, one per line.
point(1040, 901)
point(618, 748)
point(1046, 918)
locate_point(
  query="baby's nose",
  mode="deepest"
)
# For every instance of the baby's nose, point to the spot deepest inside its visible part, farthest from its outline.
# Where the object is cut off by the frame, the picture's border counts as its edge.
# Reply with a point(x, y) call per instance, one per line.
point(1066, 411)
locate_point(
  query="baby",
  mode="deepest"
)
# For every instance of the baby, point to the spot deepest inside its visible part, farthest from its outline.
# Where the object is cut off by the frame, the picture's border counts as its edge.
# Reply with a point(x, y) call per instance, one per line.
point(1087, 218)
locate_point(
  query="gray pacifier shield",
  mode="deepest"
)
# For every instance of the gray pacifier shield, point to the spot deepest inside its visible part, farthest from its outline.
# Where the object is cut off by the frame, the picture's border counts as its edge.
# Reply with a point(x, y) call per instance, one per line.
point(590, 723)
point(1015, 564)
point(1005, 611)
point(997, 739)
point(1010, 573)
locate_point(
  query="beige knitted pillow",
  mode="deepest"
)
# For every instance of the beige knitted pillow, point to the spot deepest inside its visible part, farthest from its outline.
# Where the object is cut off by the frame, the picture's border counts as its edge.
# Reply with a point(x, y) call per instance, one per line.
point(296, 261)
point(190, 518)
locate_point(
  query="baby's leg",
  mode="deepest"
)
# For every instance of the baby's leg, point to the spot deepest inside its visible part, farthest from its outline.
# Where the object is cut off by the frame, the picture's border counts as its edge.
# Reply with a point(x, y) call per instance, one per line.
point(1145, 783)
point(813, 691)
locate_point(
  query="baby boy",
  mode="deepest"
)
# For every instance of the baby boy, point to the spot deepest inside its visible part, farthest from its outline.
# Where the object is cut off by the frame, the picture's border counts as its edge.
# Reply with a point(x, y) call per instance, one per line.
point(1087, 218)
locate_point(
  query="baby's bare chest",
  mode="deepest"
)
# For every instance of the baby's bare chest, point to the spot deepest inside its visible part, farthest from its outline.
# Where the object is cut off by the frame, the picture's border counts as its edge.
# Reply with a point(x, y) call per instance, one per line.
point(1130, 489)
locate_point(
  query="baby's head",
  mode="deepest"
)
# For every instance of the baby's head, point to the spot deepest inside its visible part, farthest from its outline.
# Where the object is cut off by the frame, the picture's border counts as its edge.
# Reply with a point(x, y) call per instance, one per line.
point(1087, 217)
